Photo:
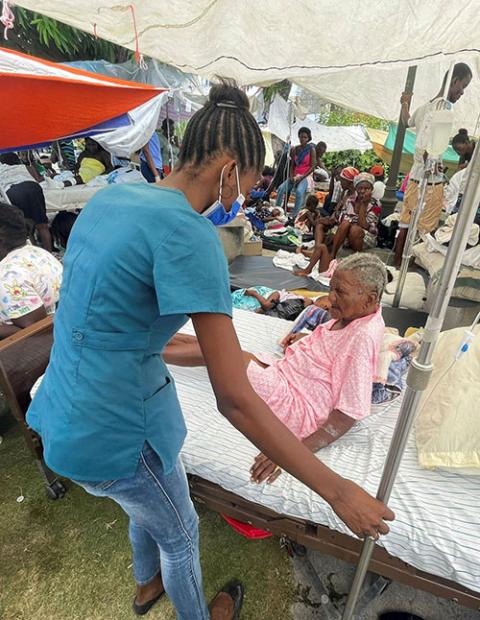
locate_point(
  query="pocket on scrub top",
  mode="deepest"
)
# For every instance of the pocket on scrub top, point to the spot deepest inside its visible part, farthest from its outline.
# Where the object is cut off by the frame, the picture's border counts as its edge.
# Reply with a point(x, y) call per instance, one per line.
point(111, 341)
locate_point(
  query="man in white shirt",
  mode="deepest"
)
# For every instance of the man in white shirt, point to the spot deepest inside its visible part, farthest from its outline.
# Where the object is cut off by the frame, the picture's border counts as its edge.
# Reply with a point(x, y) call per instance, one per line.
point(421, 119)
point(378, 172)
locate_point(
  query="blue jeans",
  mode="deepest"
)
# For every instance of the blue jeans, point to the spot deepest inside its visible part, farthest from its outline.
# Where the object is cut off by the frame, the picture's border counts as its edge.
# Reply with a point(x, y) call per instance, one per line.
point(300, 191)
point(147, 173)
point(163, 530)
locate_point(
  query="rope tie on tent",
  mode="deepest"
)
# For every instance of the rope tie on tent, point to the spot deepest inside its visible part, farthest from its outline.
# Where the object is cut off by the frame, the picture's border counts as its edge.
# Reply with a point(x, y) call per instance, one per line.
point(95, 33)
point(139, 59)
point(7, 18)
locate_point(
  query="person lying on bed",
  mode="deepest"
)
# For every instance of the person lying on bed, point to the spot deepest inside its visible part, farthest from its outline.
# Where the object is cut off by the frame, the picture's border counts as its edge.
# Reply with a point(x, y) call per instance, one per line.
point(323, 385)
point(284, 305)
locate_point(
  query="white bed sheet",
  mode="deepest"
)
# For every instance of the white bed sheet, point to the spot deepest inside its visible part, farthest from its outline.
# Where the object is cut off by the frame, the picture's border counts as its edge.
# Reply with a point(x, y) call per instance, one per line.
point(438, 513)
point(68, 198)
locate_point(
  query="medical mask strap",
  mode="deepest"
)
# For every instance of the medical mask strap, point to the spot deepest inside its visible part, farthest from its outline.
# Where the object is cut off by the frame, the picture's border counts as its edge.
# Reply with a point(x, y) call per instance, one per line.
point(221, 185)
point(238, 180)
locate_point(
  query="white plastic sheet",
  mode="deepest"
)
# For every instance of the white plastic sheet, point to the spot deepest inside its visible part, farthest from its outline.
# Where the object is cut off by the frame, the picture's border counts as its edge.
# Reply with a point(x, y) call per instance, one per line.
point(351, 53)
point(336, 138)
point(124, 141)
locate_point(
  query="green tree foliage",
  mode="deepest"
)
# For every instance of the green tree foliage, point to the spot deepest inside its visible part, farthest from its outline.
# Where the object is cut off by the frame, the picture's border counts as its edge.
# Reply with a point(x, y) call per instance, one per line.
point(47, 38)
point(362, 161)
point(341, 116)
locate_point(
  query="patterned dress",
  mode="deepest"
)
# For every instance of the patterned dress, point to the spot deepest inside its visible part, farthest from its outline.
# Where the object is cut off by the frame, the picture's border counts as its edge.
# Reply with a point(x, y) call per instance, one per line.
point(30, 278)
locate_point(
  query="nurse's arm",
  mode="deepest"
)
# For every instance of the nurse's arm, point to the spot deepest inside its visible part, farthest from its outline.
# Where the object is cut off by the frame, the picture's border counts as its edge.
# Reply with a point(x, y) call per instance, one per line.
point(239, 403)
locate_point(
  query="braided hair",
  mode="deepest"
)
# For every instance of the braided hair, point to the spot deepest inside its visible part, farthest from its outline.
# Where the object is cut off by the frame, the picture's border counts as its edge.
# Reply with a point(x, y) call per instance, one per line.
point(223, 125)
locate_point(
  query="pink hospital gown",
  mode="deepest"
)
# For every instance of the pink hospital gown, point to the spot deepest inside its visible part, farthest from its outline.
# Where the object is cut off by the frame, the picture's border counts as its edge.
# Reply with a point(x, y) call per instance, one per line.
point(324, 371)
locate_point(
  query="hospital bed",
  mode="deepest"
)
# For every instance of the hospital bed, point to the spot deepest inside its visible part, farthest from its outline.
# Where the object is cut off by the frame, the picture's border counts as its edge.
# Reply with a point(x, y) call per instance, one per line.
point(68, 198)
point(434, 543)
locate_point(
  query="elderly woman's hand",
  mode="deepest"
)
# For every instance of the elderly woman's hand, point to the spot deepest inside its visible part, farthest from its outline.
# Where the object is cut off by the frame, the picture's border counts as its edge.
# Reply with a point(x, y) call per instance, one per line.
point(264, 469)
point(291, 339)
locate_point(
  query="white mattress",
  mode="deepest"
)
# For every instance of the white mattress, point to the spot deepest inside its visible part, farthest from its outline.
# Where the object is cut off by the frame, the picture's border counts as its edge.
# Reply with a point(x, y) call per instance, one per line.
point(68, 198)
point(438, 514)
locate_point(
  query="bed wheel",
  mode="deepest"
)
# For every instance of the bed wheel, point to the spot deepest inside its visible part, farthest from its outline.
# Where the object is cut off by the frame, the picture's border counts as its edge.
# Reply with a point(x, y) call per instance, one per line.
point(56, 490)
point(292, 548)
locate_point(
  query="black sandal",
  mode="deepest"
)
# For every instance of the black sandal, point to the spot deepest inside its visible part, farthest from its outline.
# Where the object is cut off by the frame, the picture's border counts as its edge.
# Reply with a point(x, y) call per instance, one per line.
point(141, 610)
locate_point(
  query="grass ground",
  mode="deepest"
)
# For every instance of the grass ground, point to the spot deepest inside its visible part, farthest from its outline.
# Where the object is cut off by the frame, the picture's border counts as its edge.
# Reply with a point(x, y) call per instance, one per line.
point(70, 559)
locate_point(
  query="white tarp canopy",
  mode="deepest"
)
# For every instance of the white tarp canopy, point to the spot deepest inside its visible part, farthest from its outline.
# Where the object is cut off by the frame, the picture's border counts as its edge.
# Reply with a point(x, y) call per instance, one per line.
point(124, 141)
point(352, 54)
point(336, 138)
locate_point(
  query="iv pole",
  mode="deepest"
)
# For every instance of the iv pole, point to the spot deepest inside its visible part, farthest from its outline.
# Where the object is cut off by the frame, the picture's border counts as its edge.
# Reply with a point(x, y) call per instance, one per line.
point(421, 368)
point(412, 229)
point(286, 195)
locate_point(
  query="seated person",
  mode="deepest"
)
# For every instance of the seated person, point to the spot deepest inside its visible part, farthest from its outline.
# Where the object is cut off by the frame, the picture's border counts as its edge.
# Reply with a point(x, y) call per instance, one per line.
point(358, 220)
point(30, 277)
point(307, 218)
point(379, 186)
point(93, 161)
point(23, 191)
point(320, 174)
point(61, 228)
point(334, 192)
point(325, 224)
point(323, 384)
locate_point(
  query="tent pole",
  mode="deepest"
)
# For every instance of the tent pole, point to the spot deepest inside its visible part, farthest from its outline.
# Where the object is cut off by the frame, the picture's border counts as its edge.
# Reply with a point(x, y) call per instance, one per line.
point(389, 200)
point(421, 368)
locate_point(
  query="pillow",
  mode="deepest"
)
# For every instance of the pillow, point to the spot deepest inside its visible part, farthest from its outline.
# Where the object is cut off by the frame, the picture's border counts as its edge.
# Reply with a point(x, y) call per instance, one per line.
point(448, 426)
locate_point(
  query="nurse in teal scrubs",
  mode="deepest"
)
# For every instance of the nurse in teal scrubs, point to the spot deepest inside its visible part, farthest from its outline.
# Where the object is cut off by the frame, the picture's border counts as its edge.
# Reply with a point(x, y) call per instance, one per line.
point(141, 260)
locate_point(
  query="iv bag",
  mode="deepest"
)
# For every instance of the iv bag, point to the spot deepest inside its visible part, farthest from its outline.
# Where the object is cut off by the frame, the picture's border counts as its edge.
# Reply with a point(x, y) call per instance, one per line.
point(440, 132)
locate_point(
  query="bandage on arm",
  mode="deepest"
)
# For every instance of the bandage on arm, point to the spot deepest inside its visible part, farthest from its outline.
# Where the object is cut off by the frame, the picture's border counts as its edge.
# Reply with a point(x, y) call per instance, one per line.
point(337, 424)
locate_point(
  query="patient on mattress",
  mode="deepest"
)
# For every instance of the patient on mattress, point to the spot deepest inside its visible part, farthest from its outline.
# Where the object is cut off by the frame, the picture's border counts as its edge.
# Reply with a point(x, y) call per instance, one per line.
point(323, 384)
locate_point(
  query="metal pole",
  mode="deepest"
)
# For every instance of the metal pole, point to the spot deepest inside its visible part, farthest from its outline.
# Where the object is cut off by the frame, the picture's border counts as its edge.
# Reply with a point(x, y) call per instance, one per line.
point(421, 368)
point(389, 200)
point(412, 231)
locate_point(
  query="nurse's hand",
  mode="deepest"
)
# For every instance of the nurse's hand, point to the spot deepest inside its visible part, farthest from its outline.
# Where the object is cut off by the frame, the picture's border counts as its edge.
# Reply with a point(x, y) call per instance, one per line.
point(264, 469)
point(362, 513)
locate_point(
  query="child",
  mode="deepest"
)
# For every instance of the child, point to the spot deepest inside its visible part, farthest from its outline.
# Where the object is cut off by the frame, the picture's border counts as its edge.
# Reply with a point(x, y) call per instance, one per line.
point(280, 304)
point(307, 217)
point(277, 219)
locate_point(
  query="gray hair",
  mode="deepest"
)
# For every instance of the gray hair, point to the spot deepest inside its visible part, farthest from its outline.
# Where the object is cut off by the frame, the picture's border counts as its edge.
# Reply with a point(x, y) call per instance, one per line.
point(369, 269)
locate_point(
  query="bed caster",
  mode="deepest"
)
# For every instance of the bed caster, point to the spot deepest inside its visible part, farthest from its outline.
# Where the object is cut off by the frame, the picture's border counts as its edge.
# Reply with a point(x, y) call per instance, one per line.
point(292, 548)
point(56, 490)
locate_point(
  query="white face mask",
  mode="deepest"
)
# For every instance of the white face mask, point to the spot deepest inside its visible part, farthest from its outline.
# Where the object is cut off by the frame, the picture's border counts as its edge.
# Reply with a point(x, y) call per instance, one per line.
point(217, 213)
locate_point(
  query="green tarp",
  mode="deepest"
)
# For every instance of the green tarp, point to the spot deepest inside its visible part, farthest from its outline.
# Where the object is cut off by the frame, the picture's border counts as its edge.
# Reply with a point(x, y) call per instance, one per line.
point(409, 144)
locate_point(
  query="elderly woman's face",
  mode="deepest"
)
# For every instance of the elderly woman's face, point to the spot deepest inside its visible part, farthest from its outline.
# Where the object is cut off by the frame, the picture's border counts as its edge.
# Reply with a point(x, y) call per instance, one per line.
point(364, 191)
point(349, 298)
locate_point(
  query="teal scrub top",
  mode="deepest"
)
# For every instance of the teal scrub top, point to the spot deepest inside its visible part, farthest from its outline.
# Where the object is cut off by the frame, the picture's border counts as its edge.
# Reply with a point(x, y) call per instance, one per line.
point(139, 261)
